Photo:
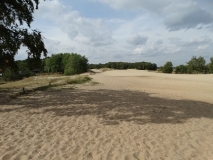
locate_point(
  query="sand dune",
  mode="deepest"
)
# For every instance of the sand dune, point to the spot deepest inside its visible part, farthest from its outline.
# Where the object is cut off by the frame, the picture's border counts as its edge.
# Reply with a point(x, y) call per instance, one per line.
point(129, 115)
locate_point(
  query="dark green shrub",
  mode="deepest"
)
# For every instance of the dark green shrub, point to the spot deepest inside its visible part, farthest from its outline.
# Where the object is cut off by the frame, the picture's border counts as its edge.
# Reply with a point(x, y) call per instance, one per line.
point(181, 69)
point(10, 75)
point(210, 65)
point(76, 64)
point(79, 80)
point(68, 71)
point(196, 65)
point(168, 67)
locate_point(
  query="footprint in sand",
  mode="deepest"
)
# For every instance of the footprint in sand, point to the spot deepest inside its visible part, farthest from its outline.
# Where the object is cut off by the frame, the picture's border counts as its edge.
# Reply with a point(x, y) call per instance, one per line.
point(107, 144)
point(7, 156)
point(77, 150)
point(97, 133)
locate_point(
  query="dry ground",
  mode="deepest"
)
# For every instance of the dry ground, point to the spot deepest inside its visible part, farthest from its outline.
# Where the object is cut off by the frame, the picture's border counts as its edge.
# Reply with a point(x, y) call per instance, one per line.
point(128, 115)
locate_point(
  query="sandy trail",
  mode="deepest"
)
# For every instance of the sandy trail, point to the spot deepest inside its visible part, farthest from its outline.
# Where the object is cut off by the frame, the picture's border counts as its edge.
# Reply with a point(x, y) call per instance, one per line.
point(129, 115)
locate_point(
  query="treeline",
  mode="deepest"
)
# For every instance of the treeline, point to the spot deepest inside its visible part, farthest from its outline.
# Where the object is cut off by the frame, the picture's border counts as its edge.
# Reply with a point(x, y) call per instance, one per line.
point(125, 65)
point(64, 63)
point(68, 64)
point(194, 66)
point(73, 63)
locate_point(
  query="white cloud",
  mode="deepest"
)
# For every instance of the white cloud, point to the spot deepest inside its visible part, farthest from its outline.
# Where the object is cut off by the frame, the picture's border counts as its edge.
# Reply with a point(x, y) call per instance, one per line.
point(150, 50)
point(177, 14)
point(84, 30)
point(201, 40)
point(156, 51)
point(159, 42)
point(137, 39)
point(191, 43)
point(186, 15)
point(201, 48)
point(154, 5)
point(143, 24)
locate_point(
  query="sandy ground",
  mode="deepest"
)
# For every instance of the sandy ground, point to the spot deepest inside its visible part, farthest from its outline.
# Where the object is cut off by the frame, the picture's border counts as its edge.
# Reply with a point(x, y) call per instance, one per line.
point(129, 115)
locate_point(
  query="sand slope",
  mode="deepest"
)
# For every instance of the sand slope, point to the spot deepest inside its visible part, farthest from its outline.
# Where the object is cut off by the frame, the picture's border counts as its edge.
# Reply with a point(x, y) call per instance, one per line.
point(129, 115)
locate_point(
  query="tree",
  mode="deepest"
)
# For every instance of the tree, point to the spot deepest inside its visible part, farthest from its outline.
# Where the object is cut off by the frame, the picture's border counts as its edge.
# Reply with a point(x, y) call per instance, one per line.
point(10, 75)
point(76, 64)
point(56, 64)
point(14, 13)
point(168, 67)
point(181, 69)
point(196, 65)
point(125, 65)
point(6, 60)
point(211, 65)
point(65, 59)
point(47, 65)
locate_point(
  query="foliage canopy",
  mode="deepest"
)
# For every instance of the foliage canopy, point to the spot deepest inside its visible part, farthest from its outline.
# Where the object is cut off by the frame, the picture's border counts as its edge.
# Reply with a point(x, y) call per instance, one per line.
point(168, 67)
point(67, 63)
point(196, 65)
point(14, 14)
point(211, 65)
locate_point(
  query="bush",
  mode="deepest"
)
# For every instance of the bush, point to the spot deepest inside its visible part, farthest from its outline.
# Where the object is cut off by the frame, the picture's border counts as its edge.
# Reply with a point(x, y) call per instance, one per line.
point(79, 80)
point(168, 67)
point(68, 71)
point(76, 64)
point(181, 69)
point(196, 65)
point(210, 65)
point(10, 75)
point(26, 73)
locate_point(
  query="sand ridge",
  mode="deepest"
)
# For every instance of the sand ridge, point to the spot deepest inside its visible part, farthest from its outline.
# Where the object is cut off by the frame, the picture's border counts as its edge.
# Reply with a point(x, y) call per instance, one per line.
point(129, 115)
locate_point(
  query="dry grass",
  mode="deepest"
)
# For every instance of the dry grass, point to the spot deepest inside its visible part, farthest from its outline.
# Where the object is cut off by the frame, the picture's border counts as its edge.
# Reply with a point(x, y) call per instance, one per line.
point(41, 82)
point(105, 69)
point(93, 83)
point(79, 80)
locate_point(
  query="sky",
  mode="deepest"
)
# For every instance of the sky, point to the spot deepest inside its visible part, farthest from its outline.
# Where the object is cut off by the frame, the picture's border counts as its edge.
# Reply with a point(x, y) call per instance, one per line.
point(154, 31)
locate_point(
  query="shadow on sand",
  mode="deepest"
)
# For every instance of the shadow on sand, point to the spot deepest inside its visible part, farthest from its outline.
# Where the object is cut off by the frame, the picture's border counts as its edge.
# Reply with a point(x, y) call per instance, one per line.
point(113, 106)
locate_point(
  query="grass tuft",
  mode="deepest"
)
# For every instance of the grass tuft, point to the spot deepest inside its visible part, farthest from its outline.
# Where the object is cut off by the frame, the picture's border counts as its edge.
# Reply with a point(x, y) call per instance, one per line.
point(41, 83)
point(79, 80)
point(93, 83)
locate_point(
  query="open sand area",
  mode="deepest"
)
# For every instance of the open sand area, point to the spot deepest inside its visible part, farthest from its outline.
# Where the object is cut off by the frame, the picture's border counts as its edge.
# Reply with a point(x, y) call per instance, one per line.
point(129, 115)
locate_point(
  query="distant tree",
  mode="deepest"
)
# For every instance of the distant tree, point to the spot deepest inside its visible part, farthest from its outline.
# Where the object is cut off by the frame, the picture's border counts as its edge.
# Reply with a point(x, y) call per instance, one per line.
point(23, 68)
point(96, 66)
point(47, 65)
point(122, 65)
point(66, 63)
point(167, 68)
point(34, 63)
point(42, 65)
point(76, 64)
point(13, 14)
point(65, 59)
point(10, 75)
point(210, 65)
point(22, 65)
point(6, 61)
point(196, 65)
point(181, 69)
point(125, 65)
point(56, 63)
point(154, 66)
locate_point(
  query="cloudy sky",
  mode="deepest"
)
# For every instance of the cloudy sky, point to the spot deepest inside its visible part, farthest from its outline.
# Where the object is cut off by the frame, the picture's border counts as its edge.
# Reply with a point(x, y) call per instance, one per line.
point(127, 30)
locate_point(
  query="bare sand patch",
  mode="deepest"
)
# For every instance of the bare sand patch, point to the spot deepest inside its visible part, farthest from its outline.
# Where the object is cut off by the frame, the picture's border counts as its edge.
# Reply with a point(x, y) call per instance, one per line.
point(197, 87)
point(128, 115)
